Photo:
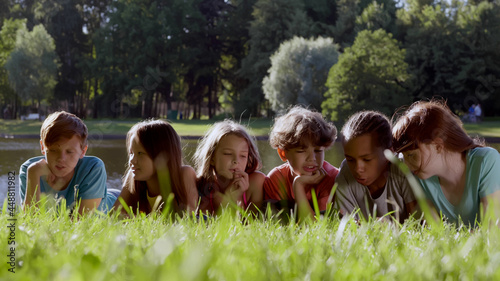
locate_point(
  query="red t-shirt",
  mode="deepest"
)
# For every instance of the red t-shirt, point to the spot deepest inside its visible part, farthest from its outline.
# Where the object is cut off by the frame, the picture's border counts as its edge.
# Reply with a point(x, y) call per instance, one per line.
point(279, 181)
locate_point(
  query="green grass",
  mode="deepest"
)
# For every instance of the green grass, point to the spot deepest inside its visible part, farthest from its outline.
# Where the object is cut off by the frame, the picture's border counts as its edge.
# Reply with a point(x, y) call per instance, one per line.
point(484, 129)
point(258, 127)
point(52, 247)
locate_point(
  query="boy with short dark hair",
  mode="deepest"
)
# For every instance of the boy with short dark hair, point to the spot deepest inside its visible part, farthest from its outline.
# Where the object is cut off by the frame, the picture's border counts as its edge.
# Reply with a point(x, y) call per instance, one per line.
point(301, 137)
point(64, 171)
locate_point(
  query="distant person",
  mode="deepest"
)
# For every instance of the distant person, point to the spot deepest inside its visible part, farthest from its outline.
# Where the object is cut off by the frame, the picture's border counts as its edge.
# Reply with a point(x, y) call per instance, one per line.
point(367, 181)
point(227, 162)
point(155, 171)
point(7, 114)
point(457, 173)
point(478, 113)
point(64, 171)
point(472, 114)
point(301, 137)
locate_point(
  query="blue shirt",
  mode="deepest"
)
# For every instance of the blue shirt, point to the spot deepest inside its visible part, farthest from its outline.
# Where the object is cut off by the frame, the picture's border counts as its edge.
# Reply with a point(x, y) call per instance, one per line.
point(88, 182)
point(482, 178)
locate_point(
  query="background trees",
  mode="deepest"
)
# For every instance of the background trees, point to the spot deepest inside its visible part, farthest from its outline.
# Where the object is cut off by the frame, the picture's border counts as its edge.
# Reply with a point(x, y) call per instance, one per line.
point(369, 75)
point(32, 65)
point(298, 72)
point(201, 58)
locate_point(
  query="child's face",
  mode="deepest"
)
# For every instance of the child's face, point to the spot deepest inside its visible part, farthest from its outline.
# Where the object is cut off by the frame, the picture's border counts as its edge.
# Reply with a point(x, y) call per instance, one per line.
point(63, 155)
point(366, 160)
point(231, 155)
point(141, 165)
point(305, 160)
point(421, 168)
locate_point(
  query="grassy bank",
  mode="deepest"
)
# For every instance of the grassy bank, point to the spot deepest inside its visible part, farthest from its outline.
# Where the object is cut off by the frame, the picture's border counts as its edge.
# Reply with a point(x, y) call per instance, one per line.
point(52, 247)
point(259, 127)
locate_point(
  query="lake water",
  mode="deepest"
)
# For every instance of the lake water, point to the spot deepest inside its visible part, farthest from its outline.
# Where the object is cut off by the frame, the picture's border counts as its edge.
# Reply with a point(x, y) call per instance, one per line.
point(13, 152)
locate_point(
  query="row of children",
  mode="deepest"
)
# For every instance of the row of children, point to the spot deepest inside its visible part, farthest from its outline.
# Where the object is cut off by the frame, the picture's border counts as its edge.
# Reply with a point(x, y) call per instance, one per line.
point(458, 174)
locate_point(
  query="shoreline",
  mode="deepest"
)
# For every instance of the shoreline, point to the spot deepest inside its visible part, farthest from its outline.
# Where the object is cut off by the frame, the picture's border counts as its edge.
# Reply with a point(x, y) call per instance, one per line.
point(187, 137)
point(111, 137)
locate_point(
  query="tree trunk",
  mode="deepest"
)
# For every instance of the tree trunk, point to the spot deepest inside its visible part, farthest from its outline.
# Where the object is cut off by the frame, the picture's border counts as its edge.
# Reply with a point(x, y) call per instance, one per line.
point(94, 113)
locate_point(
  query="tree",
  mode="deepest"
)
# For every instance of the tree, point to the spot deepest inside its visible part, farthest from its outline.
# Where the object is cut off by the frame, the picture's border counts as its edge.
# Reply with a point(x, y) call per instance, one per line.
point(33, 65)
point(377, 15)
point(433, 49)
point(298, 72)
point(477, 79)
point(369, 75)
point(7, 44)
point(63, 21)
point(274, 22)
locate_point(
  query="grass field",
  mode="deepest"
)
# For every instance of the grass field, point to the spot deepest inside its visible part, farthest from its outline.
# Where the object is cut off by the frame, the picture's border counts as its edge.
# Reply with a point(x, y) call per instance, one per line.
point(259, 127)
point(53, 247)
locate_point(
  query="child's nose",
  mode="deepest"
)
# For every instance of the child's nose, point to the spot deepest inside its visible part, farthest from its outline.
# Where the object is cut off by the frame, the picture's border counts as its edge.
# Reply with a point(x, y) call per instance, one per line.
point(311, 156)
point(132, 159)
point(62, 156)
point(360, 166)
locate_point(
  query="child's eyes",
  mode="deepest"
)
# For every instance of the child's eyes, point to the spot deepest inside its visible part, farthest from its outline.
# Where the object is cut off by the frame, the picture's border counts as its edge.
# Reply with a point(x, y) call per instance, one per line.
point(318, 150)
point(243, 156)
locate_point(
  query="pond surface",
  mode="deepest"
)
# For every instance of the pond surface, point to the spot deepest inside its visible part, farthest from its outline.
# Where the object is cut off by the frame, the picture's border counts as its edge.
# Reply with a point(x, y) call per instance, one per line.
point(13, 152)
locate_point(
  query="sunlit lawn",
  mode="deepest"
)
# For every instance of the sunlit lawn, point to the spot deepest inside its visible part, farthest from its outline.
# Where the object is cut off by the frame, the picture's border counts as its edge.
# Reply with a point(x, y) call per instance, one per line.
point(259, 127)
point(53, 247)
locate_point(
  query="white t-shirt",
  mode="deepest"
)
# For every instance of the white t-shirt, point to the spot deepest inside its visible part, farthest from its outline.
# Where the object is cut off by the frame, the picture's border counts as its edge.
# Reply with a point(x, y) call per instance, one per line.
point(477, 110)
point(351, 195)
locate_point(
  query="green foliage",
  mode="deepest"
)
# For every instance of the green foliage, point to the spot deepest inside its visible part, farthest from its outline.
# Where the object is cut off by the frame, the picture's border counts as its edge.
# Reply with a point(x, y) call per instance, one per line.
point(33, 64)
point(377, 16)
point(51, 246)
point(274, 22)
point(369, 75)
point(63, 21)
point(7, 45)
point(453, 51)
point(344, 32)
point(298, 72)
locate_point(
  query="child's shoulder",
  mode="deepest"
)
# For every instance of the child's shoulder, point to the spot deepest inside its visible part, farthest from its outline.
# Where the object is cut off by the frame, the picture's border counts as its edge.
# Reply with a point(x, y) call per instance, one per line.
point(187, 170)
point(91, 161)
point(257, 175)
point(282, 169)
point(330, 169)
point(484, 152)
point(32, 160)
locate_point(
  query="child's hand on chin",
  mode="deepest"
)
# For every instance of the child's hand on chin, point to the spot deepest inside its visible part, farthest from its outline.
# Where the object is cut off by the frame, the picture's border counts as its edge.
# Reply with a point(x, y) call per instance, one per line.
point(313, 179)
point(42, 168)
point(239, 185)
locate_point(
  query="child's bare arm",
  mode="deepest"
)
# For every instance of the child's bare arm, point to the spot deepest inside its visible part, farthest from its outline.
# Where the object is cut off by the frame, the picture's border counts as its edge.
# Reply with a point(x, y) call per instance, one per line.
point(129, 198)
point(88, 205)
point(255, 190)
point(33, 174)
point(491, 206)
point(189, 179)
point(300, 184)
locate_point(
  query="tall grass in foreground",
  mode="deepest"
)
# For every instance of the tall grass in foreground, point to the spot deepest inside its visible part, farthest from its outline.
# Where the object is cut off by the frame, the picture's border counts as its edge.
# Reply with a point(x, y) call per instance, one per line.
point(53, 246)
